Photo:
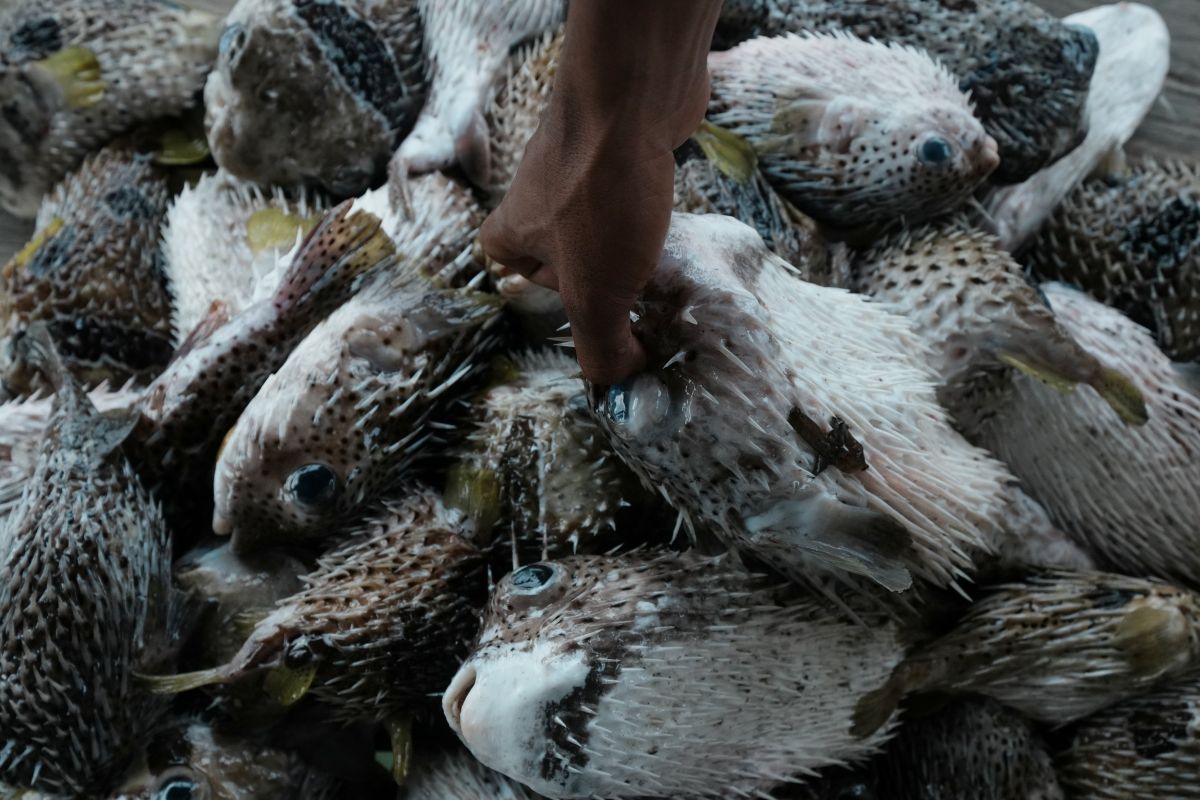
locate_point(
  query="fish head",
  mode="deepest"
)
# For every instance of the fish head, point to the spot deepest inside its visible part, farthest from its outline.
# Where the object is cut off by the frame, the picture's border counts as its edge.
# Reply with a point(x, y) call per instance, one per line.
point(345, 414)
point(274, 112)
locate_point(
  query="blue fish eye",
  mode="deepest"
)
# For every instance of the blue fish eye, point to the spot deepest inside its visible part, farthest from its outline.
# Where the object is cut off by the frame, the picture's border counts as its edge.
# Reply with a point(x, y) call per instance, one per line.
point(616, 404)
point(177, 788)
point(532, 578)
point(313, 485)
point(232, 36)
point(935, 150)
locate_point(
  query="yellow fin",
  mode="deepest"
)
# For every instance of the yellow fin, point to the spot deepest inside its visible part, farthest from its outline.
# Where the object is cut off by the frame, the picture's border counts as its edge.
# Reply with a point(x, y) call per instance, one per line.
point(177, 148)
point(183, 682)
point(1152, 639)
point(400, 731)
point(273, 227)
point(77, 73)
point(475, 491)
point(287, 685)
point(1041, 371)
point(731, 154)
point(1122, 396)
point(875, 708)
point(23, 256)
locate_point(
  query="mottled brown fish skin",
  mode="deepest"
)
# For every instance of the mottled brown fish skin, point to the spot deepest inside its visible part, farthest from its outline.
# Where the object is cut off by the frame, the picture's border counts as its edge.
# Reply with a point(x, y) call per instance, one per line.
point(1027, 72)
point(93, 272)
point(86, 601)
point(75, 73)
point(1133, 242)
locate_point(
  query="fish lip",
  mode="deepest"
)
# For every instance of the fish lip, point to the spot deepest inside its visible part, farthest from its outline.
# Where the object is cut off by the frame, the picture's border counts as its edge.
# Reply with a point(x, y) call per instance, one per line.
point(456, 695)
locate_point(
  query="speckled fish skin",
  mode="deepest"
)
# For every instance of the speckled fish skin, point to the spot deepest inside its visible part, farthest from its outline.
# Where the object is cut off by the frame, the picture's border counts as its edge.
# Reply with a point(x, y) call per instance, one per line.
point(348, 413)
point(661, 674)
point(187, 410)
point(455, 774)
point(467, 43)
point(515, 111)
point(223, 241)
point(733, 422)
point(85, 601)
point(1026, 71)
point(1147, 746)
point(537, 464)
point(384, 620)
point(191, 760)
point(1133, 242)
point(75, 73)
point(838, 133)
point(1127, 493)
point(314, 91)
point(1056, 647)
point(974, 748)
point(92, 273)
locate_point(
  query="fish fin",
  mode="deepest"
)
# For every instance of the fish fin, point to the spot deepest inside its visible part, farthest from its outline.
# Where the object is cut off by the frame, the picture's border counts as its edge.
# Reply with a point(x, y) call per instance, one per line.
point(1038, 369)
point(857, 540)
point(472, 149)
point(832, 123)
point(275, 227)
point(76, 73)
point(730, 153)
point(217, 315)
point(184, 681)
point(287, 685)
point(37, 242)
point(247, 620)
point(1121, 395)
point(476, 492)
point(875, 708)
point(1151, 639)
point(343, 246)
point(178, 147)
point(400, 731)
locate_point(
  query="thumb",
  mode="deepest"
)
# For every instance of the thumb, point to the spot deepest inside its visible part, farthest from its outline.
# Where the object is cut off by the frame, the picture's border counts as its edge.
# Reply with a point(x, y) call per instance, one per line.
point(607, 350)
point(501, 243)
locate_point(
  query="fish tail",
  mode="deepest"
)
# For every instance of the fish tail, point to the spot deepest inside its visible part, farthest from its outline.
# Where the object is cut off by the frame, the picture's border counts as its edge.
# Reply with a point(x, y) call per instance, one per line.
point(730, 153)
point(1152, 639)
point(287, 685)
point(1121, 395)
point(343, 247)
point(76, 73)
point(184, 681)
point(875, 708)
point(476, 492)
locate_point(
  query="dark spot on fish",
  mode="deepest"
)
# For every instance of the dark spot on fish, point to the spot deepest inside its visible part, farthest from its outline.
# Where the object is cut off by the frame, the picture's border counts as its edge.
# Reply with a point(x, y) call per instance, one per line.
point(35, 39)
point(569, 738)
point(360, 56)
point(99, 341)
point(127, 203)
point(836, 447)
point(1168, 237)
point(1155, 734)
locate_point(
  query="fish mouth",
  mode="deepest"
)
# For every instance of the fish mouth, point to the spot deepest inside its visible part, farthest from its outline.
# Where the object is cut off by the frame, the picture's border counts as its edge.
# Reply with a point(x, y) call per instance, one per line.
point(456, 697)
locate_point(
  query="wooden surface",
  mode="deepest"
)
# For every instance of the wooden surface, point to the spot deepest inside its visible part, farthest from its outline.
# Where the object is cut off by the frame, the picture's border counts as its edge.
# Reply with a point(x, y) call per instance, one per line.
point(1172, 129)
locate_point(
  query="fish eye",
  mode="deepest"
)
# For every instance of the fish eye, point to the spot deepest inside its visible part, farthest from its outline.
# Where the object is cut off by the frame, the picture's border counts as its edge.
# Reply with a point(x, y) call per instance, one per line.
point(233, 37)
point(856, 791)
point(616, 404)
point(180, 784)
point(935, 151)
point(533, 578)
point(313, 485)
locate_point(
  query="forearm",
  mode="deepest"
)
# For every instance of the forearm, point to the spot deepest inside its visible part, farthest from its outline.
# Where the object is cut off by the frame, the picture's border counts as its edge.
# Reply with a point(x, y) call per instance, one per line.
point(639, 64)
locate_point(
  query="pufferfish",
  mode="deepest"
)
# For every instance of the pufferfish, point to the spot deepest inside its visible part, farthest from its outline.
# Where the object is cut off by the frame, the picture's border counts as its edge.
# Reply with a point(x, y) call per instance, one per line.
point(223, 240)
point(380, 625)
point(798, 422)
point(93, 273)
point(1056, 647)
point(1133, 241)
point(537, 463)
point(1147, 746)
point(467, 44)
point(314, 92)
point(86, 600)
point(1026, 71)
point(75, 73)
point(454, 774)
point(852, 132)
point(665, 675)
point(355, 403)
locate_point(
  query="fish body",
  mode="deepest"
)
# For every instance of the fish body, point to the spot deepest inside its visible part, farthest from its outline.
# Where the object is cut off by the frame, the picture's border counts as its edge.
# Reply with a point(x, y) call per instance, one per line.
point(666, 675)
point(797, 422)
point(467, 43)
point(86, 600)
point(1056, 647)
point(314, 92)
point(1133, 242)
point(92, 273)
point(380, 625)
point(1147, 746)
point(76, 73)
point(514, 112)
point(538, 463)
point(344, 417)
point(1026, 71)
point(223, 241)
point(455, 774)
point(1126, 493)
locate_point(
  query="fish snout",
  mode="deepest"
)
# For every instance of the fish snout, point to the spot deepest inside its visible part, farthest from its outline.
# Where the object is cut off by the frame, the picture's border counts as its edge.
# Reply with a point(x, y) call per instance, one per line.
point(455, 699)
point(989, 154)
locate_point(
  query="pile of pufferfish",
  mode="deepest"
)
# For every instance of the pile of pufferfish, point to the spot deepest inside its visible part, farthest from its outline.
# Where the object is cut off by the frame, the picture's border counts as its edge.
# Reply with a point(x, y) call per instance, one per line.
point(303, 497)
